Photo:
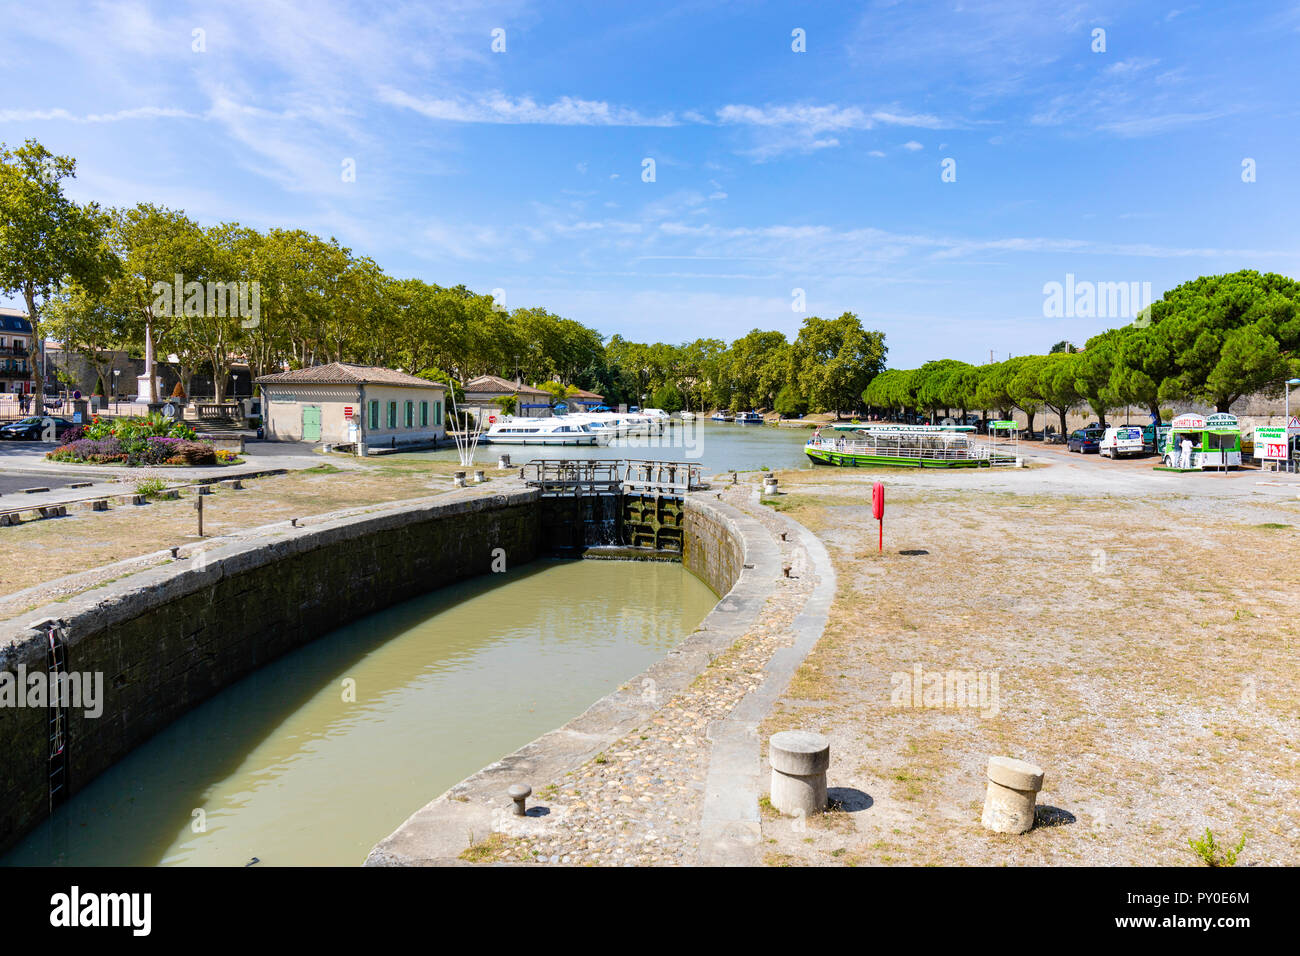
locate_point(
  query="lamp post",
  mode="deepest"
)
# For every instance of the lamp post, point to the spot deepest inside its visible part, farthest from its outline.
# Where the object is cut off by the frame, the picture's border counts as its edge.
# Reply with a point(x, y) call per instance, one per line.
point(116, 408)
point(1290, 383)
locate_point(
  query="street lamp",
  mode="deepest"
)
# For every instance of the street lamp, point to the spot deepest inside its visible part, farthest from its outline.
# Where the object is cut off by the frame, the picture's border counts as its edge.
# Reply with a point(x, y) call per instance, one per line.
point(1287, 424)
point(116, 373)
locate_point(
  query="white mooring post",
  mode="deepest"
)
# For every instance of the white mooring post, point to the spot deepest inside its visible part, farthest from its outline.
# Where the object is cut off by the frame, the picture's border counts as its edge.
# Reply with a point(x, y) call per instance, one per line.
point(799, 763)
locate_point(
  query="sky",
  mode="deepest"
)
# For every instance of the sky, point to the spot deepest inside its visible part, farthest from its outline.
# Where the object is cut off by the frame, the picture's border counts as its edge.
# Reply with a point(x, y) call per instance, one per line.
point(930, 166)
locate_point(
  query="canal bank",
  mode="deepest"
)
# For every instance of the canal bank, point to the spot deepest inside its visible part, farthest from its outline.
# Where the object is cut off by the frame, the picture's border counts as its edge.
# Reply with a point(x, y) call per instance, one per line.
point(170, 637)
point(668, 769)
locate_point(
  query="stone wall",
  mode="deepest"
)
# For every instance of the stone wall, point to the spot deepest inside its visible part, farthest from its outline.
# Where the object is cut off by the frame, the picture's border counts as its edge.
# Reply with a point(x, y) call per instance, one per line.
point(169, 638)
point(713, 548)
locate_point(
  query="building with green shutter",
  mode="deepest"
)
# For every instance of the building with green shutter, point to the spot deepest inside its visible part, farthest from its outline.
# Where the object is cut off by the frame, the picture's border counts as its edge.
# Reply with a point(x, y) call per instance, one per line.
point(344, 404)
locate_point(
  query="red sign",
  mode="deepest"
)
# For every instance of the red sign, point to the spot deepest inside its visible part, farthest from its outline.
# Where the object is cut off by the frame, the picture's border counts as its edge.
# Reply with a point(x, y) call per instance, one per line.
point(878, 510)
point(492, 419)
point(347, 411)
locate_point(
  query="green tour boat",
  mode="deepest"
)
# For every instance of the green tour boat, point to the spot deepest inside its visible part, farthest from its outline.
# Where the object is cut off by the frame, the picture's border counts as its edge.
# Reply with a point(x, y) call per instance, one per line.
point(859, 445)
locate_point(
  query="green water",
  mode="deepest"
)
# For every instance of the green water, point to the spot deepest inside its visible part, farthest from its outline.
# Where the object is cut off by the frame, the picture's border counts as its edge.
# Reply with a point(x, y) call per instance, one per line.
point(714, 445)
point(285, 770)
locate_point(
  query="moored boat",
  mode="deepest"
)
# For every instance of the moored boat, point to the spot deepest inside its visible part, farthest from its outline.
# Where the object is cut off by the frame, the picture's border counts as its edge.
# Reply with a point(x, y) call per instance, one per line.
point(722, 415)
point(540, 431)
point(910, 446)
point(749, 418)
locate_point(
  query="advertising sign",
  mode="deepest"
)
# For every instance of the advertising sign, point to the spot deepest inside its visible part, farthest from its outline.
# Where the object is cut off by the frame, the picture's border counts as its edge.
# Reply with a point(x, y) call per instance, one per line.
point(1270, 443)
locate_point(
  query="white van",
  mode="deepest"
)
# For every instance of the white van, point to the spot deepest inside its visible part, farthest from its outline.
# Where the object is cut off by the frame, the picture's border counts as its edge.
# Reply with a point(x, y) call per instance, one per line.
point(1120, 441)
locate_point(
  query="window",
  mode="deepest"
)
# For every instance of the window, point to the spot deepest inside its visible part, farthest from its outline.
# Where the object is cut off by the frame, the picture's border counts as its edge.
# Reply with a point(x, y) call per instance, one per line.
point(410, 414)
point(392, 414)
point(374, 415)
point(437, 413)
point(424, 414)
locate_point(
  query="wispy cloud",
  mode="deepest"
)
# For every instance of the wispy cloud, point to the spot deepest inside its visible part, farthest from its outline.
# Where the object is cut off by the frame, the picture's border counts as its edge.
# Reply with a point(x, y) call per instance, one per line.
point(135, 113)
point(500, 108)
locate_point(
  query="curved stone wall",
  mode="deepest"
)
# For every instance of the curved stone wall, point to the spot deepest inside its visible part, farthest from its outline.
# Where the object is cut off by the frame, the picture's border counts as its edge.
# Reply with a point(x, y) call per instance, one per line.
point(168, 638)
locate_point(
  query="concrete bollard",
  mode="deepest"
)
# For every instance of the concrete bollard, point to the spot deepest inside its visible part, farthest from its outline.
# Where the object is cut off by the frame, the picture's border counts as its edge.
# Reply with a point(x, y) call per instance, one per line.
point(519, 792)
point(503, 462)
point(458, 479)
point(1012, 791)
point(769, 486)
point(799, 762)
point(479, 477)
point(362, 449)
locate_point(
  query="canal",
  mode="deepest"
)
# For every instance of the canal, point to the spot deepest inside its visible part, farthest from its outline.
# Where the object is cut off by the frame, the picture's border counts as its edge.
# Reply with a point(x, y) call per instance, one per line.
point(714, 445)
point(317, 756)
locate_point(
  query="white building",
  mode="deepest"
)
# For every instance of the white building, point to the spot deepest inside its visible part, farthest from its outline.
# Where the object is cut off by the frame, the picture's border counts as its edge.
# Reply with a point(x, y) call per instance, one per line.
point(340, 403)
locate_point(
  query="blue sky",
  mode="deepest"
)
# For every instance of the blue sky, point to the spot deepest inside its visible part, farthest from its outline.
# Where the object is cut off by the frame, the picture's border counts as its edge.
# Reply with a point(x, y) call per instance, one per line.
point(775, 170)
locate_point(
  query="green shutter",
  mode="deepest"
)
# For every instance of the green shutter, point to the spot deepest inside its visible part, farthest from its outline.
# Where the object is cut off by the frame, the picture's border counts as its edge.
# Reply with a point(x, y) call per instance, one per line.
point(424, 414)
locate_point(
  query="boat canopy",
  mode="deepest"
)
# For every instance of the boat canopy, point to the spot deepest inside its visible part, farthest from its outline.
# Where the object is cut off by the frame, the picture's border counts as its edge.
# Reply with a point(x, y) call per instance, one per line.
point(884, 428)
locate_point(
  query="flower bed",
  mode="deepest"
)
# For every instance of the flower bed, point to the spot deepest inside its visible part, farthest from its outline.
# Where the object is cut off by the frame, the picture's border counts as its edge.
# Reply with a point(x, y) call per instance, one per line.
point(138, 441)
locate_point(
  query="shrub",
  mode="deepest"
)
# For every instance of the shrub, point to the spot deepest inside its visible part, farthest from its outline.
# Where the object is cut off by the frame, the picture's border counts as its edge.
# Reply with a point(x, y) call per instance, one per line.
point(1212, 854)
point(105, 451)
point(75, 433)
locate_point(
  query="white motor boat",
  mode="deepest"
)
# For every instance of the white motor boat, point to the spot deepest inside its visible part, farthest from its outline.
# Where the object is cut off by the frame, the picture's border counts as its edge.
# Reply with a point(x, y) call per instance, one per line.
point(688, 416)
point(540, 431)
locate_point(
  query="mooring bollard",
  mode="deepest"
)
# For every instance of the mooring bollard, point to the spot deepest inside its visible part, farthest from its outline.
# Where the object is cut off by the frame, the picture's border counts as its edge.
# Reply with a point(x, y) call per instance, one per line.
point(799, 762)
point(479, 477)
point(519, 793)
point(1012, 791)
point(769, 486)
point(458, 479)
point(503, 462)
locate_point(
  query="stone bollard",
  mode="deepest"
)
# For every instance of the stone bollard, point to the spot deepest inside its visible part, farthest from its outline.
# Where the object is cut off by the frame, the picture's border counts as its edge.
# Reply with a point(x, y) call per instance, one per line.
point(1012, 791)
point(519, 792)
point(458, 479)
point(503, 462)
point(799, 762)
point(769, 486)
point(363, 449)
point(479, 477)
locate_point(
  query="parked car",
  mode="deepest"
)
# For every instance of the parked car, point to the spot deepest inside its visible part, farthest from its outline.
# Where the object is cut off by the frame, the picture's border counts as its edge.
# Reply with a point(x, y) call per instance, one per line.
point(1151, 442)
point(1084, 440)
point(33, 429)
point(1120, 441)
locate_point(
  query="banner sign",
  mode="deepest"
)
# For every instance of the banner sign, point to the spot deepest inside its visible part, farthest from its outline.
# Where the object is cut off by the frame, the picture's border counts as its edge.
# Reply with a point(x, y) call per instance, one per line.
point(1270, 443)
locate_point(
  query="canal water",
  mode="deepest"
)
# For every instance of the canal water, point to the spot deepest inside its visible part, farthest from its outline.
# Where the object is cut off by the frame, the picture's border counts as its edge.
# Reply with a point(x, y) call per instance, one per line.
point(717, 446)
point(285, 769)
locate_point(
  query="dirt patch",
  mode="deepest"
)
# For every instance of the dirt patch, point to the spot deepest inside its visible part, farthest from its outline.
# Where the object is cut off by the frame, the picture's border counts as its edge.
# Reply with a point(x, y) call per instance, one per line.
point(1141, 650)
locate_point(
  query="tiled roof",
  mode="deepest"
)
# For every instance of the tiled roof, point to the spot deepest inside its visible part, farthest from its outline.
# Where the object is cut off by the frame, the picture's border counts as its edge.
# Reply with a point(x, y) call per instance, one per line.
point(494, 384)
point(583, 393)
point(340, 373)
point(14, 320)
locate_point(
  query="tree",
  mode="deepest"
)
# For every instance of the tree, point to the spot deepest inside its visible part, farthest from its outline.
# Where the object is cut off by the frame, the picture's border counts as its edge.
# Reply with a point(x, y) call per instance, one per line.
point(668, 398)
point(1056, 377)
point(1229, 335)
point(835, 360)
point(46, 239)
point(1093, 373)
point(789, 403)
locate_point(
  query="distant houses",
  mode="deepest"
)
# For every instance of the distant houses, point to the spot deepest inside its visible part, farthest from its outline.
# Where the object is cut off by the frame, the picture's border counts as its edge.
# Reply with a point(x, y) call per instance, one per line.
point(15, 352)
point(362, 404)
point(483, 397)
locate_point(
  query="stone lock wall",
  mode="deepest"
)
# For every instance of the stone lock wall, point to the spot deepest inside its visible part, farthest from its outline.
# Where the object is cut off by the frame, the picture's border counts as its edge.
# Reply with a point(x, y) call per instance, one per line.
point(167, 639)
point(713, 548)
